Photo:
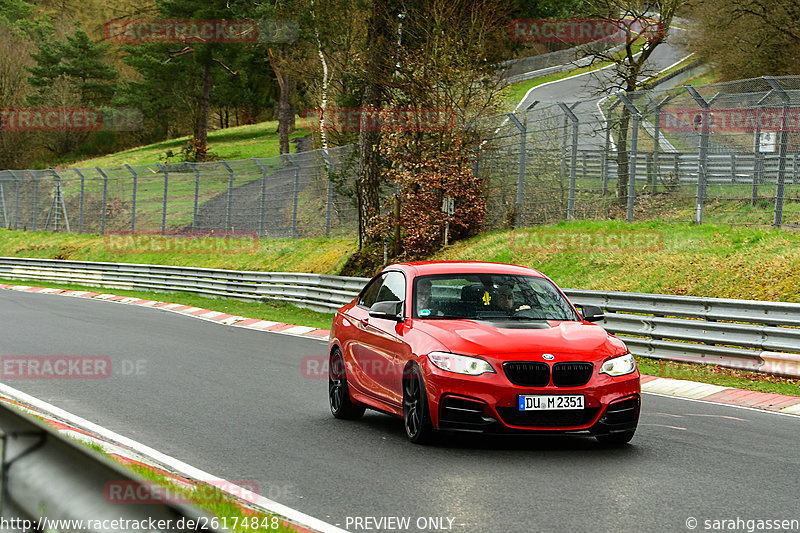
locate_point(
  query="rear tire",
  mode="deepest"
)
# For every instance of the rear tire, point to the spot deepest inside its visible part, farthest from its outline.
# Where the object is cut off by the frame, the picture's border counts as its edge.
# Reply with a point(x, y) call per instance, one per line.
point(342, 406)
point(416, 417)
point(615, 439)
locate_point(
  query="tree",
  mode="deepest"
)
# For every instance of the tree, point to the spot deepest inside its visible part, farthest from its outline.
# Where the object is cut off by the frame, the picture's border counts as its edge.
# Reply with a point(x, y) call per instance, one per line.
point(78, 61)
point(755, 38)
point(630, 71)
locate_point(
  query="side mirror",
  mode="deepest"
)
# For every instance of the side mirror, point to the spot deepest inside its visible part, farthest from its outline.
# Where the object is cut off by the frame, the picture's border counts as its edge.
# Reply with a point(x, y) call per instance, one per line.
point(387, 310)
point(592, 313)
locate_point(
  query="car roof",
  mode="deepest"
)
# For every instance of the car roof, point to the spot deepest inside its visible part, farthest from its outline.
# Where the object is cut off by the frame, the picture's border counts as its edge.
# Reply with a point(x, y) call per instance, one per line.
point(423, 268)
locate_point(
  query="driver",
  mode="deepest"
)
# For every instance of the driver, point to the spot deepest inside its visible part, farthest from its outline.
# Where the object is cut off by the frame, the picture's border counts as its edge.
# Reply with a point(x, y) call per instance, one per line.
point(505, 300)
point(425, 307)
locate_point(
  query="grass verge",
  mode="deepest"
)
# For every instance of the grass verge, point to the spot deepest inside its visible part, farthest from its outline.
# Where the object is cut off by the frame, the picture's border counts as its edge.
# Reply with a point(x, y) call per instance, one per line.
point(240, 142)
point(316, 256)
point(270, 310)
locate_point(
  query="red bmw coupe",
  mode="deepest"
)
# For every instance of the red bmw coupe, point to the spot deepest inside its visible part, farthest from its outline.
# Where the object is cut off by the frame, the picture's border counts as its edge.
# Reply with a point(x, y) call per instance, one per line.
point(480, 347)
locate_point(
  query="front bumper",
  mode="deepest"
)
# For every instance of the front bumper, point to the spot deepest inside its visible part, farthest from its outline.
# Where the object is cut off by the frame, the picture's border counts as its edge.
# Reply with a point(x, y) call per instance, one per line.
point(488, 404)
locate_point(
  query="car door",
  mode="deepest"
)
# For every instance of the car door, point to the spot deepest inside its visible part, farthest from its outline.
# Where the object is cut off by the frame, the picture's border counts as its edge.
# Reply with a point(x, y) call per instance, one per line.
point(376, 354)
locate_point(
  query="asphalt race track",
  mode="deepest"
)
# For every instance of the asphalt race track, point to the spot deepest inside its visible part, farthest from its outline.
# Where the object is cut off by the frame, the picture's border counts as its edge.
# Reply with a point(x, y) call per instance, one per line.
point(233, 402)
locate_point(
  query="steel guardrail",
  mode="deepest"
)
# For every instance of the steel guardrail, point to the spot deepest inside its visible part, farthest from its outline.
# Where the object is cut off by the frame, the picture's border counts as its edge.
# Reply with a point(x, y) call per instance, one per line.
point(749, 334)
point(47, 475)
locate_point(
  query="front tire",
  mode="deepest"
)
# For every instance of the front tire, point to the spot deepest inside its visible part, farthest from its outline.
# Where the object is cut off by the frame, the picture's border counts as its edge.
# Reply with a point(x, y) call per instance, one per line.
point(342, 406)
point(416, 417)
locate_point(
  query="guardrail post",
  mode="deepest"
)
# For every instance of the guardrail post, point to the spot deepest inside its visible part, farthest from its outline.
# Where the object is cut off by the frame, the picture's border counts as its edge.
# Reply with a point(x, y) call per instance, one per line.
point(196, 194)
point(261, 218)
point(783, 143)
point(521, 168)
point(295, 193)
point(105, 196)
point(133, 200)
point(164, 202)
point(329, 201)
point(80, 202)
point(16, 199)
point(573, 163)
point(230, 196)
point(635, 117)
point(702, 169)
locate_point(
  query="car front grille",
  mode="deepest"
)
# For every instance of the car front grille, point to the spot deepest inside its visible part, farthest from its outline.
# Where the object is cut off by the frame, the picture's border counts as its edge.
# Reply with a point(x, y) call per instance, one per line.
point(527, 373)
point(572, 374)
point(547, 419)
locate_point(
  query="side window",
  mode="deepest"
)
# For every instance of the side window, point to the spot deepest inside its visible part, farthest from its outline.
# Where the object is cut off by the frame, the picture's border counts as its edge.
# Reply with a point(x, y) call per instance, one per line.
point(370, 294)
point(393, 289)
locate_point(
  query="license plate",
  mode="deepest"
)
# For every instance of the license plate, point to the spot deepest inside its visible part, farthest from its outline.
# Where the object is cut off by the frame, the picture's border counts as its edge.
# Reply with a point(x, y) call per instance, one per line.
point(545, 402)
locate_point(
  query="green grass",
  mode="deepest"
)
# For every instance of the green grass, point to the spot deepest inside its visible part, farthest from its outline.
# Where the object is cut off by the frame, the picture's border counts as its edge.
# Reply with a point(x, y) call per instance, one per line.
point(241, 142)
point(666, 258)
point(717, 375)
point(215, 501)
point(317, 256)
point(268, 310)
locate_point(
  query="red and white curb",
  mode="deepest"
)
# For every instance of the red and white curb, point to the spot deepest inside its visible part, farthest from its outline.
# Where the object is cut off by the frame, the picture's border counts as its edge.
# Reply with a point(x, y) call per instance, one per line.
point(196, 312)
point(693, 390)
point(678, 388)
point(127, 451)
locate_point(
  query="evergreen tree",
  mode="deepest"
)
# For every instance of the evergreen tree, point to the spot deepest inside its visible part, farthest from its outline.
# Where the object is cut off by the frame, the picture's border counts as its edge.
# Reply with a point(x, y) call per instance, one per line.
point(79, 62)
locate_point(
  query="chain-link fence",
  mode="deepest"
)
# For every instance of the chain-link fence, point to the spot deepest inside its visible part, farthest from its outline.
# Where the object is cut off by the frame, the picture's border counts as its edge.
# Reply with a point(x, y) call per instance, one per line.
point(286, 196)
point(726, 153)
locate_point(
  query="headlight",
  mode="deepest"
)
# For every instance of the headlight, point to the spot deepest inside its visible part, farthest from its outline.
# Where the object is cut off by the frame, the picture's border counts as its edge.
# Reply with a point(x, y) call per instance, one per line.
point(460, 364)
point(619, 366)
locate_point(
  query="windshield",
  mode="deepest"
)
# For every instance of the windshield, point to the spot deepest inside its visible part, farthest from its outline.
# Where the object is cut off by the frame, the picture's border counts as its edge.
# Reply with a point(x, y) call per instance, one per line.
point(489, 297)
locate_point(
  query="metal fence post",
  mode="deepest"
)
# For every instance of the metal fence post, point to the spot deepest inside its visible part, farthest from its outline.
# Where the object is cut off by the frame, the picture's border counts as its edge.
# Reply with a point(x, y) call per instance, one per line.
point(521, 170)
point(295, 193)
point(16, 199)
point(758, 162)
point(196, 194)
point(133, 202)
point(230, 196)
point(35, 199)
point(80, 202)
point(164, 202)
point(573, 159)
point(3, 201)
point(635, 116)
point(702, 169)
point(329, 201)
point(103, 207)
point(657, 143)
point(783, 147)
point(261, 218)
point(607, 152)
point(564, 138)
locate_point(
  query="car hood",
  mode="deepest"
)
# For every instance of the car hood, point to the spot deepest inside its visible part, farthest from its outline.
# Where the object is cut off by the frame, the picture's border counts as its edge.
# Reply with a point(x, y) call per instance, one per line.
point(510, 338)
